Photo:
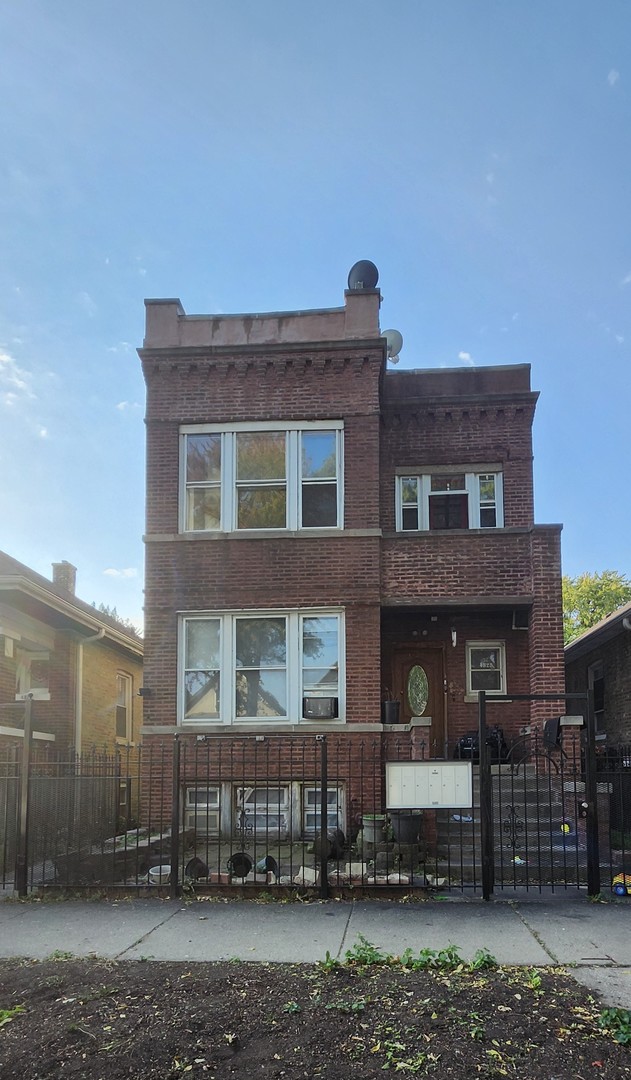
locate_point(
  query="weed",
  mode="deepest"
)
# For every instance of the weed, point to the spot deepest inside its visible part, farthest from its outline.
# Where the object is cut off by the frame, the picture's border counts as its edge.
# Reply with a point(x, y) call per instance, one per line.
point(329, 963)
point(482, 961)
point(6, 1015)
point(533, 982)
point(292, 1007)
point(349, 1007)
point(61, 954)
point(234, 960)
point(617, 1023)
point(365, 954)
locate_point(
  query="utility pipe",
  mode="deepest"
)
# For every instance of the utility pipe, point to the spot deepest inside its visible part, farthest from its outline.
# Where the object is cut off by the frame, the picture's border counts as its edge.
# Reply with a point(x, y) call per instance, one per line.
point(78, 711)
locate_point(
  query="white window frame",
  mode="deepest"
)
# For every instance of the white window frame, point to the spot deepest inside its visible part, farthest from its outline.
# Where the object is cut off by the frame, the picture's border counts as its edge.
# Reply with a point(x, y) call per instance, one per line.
point(471, 489)
point(596, 672)
point(336, 808)
point(126, 681)
point(294, 621)
point(472, 693)
point(23, 683)
point(293, 478)
point(252, 816)
point(203, 815)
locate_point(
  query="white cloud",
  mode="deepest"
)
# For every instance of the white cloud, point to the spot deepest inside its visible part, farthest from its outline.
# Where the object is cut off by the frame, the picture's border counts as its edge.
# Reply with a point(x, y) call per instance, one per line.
point(128, 572)
point(15, 382)
point(626, 279)
point(43, 433)
point(490, 178)
point(120, 347)
point(123, 406)
point(613, 77)
point(87, 303)
point(620, 339)
point(466, 358)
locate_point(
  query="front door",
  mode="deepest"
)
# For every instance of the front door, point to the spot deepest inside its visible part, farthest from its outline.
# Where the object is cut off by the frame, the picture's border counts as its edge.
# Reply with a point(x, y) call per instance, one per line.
point(419, 685)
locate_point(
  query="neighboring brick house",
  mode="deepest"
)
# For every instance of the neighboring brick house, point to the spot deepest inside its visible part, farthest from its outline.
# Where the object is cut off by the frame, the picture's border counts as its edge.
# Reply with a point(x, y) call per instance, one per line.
point(323, 533)
point(82, 668)
point(600, 659)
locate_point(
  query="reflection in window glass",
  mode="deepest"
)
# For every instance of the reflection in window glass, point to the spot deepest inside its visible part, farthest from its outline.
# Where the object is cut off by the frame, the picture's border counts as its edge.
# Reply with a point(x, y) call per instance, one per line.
point(320, 651)
point(318, 464)
point(261, 659)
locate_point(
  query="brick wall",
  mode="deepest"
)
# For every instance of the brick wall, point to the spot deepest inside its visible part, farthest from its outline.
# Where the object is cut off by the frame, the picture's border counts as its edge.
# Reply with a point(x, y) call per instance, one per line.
point(615, 656)
point(101, 664)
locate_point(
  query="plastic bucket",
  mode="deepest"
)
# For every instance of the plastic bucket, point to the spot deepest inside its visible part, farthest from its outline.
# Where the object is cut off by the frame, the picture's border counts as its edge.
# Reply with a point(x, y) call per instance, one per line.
point(160, 875)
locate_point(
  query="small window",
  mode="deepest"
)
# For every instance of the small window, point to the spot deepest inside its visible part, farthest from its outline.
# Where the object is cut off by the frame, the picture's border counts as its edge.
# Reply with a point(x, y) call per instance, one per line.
point(449, 499)
point(335, 817)
point(263, 811)
point(486, 667)
point(32, 674)
point(596, 683)
point(202, 807)
point(123, 707)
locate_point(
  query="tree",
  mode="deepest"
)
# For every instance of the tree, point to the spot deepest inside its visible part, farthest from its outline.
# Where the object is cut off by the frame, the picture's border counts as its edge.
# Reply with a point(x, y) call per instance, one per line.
point(112, 613)
point(588, 598)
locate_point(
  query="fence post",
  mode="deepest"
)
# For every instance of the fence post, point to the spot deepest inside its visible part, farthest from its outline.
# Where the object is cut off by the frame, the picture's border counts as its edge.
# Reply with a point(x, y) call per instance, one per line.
point(324, 816)
point(591, 798)
point(21, 855)
point(486, 803)
point(175, 821)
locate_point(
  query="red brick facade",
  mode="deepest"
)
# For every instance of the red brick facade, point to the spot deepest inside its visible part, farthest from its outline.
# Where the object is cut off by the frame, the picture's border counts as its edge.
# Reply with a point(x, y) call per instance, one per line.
point(400, 591)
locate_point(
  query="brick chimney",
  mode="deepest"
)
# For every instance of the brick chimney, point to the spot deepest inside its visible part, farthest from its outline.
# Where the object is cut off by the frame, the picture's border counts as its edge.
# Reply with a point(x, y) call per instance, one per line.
point(65, 576)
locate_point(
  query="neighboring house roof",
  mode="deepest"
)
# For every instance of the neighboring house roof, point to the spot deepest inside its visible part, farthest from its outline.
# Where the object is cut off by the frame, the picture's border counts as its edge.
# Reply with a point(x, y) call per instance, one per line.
point(47, 601)
point(603, 631)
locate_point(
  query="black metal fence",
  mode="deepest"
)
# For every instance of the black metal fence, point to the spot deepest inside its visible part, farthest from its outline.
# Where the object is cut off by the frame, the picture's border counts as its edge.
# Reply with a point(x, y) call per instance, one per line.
point(314, 814)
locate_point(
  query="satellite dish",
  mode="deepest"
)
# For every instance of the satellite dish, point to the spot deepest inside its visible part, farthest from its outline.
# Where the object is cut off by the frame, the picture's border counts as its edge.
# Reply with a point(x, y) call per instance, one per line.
point(363, 275)
point(394, 344)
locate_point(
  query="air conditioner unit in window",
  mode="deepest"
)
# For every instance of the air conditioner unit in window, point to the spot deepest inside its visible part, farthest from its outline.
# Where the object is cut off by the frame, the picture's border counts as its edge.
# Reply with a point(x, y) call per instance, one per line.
point(320, 708)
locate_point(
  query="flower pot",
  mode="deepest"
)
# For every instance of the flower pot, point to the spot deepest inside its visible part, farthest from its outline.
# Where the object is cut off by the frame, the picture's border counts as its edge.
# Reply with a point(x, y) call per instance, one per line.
point(406, 826)
point(372, 827)
point(390, 712)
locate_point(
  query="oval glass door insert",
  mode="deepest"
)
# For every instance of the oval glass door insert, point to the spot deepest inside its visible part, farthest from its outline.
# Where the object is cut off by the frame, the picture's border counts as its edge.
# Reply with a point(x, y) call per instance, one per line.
point(418, 690)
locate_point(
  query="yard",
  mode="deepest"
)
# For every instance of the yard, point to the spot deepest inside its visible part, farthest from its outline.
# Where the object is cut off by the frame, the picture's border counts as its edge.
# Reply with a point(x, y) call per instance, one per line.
point(429, 1014)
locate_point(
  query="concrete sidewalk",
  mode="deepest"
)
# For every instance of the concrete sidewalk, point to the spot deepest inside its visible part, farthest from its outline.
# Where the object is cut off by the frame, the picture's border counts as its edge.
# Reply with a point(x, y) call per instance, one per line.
point(594, 938)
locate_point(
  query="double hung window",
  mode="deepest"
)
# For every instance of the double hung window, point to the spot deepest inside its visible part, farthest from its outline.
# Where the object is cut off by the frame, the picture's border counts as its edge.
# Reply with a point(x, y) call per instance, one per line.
point(267, 476)
point(449, 499)
point(486, 667)
point(258, 667)
point(123, 707)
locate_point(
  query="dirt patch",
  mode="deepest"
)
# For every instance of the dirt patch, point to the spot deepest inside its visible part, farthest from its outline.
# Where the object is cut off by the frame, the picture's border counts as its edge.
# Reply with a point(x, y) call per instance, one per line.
point(89, 1018)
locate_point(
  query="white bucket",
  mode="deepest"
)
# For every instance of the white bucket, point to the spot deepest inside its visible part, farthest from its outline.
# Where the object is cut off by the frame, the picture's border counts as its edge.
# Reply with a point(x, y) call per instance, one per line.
point(159, 875)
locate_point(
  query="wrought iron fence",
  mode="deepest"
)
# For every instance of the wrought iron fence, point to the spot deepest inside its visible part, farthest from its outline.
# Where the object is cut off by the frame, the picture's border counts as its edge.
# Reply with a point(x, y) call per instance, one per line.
point(310, 813)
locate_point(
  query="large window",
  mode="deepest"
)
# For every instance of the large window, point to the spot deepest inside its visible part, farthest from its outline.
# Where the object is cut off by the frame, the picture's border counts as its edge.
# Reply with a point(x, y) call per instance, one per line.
point(449, 499)
point(266, 476)
point(275, 666)
point(486, 667)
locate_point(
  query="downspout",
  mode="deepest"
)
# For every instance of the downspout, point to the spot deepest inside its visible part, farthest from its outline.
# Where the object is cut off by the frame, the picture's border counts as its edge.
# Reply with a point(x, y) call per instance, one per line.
point(626, 622)
point(78, 711)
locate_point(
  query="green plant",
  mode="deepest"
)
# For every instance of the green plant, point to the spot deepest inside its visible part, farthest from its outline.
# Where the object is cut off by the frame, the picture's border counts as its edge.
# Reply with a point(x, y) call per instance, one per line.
point(60, 954)
point(329, 963)
point(483, 960)
point(617, 1023)
point(292, 1007)
point(343, 1006)
point(533, 981)
point(365, 954)
point(6, 1015)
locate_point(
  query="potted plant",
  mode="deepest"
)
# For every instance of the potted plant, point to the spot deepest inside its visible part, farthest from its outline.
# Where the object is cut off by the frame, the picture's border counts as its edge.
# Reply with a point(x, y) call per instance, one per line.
point(390, 707)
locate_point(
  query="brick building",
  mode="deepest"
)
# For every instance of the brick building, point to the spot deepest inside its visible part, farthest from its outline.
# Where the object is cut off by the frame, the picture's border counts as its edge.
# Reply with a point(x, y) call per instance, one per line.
point(600, 660)
point(82, 668)
point(325, 534)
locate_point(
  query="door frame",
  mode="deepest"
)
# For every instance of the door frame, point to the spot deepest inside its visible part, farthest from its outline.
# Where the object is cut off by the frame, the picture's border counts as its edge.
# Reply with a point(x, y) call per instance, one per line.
point(403, 649)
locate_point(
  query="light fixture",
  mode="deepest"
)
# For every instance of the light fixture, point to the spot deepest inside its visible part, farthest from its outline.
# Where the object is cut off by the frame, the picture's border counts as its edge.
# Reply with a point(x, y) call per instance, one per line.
point(454, 637)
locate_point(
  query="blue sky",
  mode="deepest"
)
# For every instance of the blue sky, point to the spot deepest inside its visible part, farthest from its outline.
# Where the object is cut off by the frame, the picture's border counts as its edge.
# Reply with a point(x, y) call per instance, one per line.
point(243, 156)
